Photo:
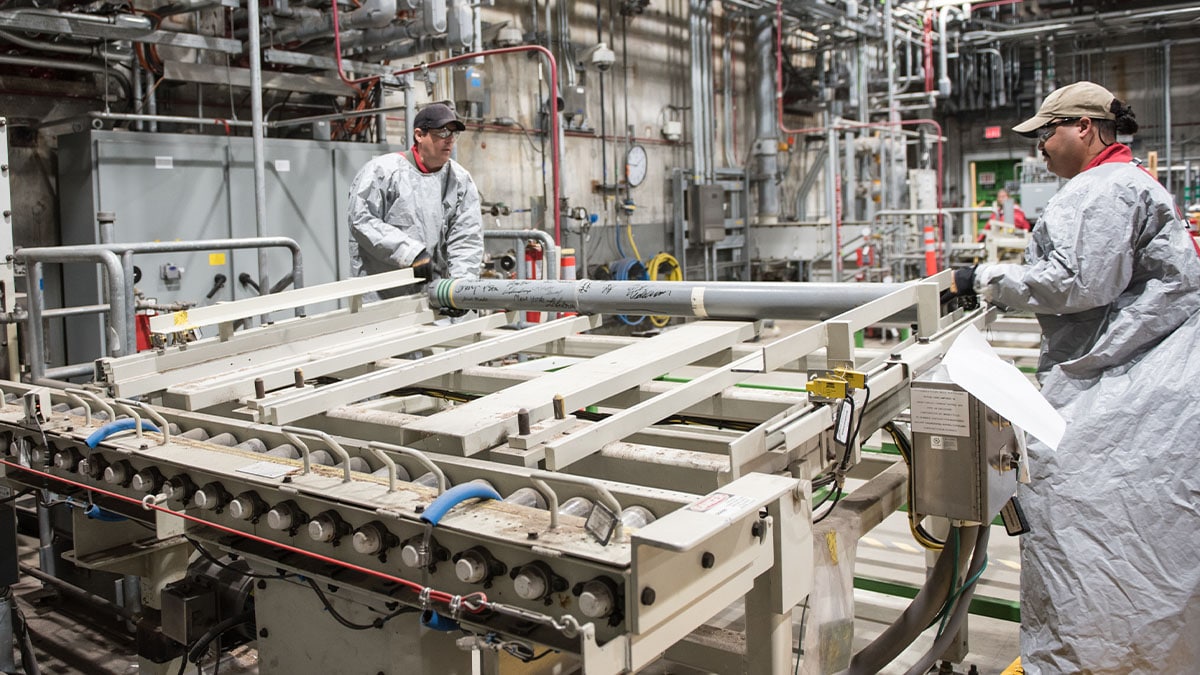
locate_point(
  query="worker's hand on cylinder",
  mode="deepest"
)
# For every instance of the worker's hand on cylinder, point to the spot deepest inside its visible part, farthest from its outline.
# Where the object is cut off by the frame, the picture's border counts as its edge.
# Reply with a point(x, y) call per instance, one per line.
point(422, 267)
point(963, 282)
point(962, 289)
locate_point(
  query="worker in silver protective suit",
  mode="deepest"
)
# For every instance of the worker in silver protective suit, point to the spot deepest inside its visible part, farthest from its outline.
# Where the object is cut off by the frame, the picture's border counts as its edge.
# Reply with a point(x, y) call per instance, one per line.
point(417, 209)
point(1110, 570)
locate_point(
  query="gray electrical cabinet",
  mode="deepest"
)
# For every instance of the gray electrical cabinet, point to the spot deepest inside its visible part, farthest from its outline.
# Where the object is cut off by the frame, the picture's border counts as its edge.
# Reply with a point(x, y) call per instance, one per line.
point(165, 187)
point(964, 459)
point(706, 214)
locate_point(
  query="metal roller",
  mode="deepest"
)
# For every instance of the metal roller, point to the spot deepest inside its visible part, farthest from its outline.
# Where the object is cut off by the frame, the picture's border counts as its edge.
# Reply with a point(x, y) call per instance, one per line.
point(715, 300)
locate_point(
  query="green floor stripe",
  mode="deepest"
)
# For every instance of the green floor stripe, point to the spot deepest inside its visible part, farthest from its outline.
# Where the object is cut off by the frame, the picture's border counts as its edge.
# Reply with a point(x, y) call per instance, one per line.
point(995, 608)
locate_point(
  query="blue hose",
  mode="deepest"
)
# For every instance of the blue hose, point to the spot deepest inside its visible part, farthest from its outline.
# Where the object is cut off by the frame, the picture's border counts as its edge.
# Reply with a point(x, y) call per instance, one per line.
point(115, 428)
point(628, 269)
point(96, 513)
point(435, 621)
point(455, 496)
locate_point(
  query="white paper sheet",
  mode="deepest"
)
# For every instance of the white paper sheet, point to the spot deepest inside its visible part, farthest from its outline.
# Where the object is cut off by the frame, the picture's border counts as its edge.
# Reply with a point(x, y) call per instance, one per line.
point(974, 366)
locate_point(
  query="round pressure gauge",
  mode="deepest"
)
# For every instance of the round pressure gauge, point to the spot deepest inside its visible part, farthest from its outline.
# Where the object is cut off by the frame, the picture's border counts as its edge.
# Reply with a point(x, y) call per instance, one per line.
point(636, 164)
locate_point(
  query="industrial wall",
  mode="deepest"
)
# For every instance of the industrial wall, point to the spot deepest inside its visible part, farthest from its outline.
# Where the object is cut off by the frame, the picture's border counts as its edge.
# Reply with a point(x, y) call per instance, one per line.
point(1137, 75)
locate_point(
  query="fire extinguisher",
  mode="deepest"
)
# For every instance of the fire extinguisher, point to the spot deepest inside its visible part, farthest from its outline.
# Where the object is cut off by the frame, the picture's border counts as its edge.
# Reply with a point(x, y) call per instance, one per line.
point(534, 269)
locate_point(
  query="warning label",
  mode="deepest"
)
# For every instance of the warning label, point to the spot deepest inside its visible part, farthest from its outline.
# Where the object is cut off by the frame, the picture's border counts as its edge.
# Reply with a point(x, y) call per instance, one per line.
point(724, 505)
point(940, 411)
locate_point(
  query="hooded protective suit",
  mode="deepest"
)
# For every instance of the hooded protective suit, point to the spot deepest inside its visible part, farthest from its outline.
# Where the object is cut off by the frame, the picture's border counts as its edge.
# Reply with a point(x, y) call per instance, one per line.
point(1110, 576)
point(396, 211)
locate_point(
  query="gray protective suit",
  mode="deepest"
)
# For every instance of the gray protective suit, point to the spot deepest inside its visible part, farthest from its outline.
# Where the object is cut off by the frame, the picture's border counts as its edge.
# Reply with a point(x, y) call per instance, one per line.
point(1110, 575)
point(396, 212)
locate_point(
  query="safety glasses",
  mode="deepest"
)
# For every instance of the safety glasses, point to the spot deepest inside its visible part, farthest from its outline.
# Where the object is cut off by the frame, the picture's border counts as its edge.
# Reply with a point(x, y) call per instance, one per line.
point(443, 133)
point(1047, 130)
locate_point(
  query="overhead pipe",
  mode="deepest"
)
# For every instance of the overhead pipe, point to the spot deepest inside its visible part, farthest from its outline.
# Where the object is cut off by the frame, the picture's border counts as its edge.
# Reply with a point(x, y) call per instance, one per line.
point(97, 51)
point(695, 50)
point(1059, 25)
point(727, 116)
point(128, 21)
point(944, 85)
point(832, 126)
point(372, 14)
point(258, 141)
point(766, 144)
point(35, 62)
point(714, 300)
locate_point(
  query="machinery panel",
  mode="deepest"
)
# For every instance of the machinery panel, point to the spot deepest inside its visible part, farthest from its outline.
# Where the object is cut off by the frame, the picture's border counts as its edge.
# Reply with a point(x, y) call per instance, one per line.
point(706, 214)
point(964, 455)
point(177, 186)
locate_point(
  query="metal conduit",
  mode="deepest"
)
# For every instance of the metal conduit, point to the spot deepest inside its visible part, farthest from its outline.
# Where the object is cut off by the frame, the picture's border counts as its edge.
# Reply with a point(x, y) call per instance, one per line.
point(118, 263)
point(115, 278)
point(714, 300)
point(35, 62)
point(551, 251)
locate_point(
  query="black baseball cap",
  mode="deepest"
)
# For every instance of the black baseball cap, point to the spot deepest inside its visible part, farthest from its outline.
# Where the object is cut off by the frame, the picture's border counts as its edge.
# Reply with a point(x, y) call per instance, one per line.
point(437, 116)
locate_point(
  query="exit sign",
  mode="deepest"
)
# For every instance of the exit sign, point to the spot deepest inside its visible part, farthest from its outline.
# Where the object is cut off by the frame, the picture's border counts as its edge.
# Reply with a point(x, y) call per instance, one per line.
point(991, 133)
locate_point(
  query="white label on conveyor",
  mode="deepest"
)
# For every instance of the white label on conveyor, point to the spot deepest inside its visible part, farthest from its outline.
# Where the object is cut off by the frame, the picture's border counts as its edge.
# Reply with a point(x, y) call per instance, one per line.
point(724, 505)
point(940, 411)
point(267, 469)
point(164, 162)
point(698, 303)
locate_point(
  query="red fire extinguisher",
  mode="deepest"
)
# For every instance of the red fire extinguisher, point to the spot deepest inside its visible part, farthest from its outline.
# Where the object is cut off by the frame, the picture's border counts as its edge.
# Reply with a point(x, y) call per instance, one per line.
point(534, 269)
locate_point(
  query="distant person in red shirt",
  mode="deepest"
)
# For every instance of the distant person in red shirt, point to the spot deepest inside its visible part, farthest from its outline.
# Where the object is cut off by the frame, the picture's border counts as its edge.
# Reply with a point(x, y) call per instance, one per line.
point(1018, 216)
point(1018, 221)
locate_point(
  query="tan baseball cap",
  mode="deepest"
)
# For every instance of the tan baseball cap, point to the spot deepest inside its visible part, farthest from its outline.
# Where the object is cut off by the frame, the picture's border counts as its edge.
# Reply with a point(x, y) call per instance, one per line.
point(1081, 99)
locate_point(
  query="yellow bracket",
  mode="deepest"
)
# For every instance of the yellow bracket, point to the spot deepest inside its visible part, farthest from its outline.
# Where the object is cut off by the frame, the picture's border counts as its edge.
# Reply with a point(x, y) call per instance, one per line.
point(856, 379)
point(827, 387)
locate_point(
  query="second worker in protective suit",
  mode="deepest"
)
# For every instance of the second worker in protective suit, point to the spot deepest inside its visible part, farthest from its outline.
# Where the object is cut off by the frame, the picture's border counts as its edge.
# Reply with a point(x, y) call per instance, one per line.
point(418, 208)
point(1109, 576)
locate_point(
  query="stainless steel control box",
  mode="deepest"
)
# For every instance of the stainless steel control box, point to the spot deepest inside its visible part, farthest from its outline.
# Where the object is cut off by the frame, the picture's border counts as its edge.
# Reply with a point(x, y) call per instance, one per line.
point(964, 454)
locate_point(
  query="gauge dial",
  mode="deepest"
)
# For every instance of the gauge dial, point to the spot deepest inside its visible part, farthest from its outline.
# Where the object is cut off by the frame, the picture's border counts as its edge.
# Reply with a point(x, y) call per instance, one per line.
point(636, 164)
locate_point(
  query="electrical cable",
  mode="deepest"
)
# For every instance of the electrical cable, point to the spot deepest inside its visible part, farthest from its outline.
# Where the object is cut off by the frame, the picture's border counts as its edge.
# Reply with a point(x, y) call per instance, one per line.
point(195, 651)
point(695, 420)
point(837, 496)
point(207, 555)
point(800, 641)
point(844, 465)
point(961, 606)
point(25, 645)
point(377, 623)
point(916, 617)
point(15, 497)
point(919, 533)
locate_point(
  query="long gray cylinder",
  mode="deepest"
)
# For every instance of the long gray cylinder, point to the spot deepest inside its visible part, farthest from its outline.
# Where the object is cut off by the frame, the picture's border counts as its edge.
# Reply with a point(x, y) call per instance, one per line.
point(716, 300)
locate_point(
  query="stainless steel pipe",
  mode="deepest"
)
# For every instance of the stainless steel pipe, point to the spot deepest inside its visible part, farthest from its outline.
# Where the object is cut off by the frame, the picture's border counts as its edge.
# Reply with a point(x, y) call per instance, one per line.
point(714, 300)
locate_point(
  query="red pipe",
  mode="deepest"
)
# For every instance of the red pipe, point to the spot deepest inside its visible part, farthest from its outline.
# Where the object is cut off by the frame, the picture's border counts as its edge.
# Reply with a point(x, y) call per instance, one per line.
point(337, 51)
point(929, 51)
point(440, 596)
